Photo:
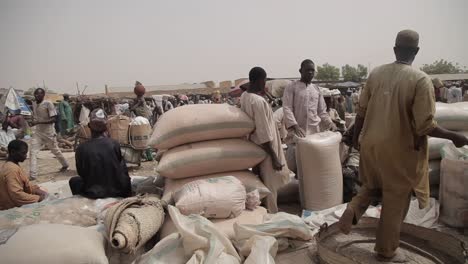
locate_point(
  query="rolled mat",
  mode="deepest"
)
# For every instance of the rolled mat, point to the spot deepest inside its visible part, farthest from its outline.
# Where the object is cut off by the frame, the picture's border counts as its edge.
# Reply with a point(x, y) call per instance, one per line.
point(133, 221)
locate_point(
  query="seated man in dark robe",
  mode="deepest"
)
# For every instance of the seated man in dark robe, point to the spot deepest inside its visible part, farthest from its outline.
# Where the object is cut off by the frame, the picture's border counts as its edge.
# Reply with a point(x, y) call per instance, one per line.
point(102, 170)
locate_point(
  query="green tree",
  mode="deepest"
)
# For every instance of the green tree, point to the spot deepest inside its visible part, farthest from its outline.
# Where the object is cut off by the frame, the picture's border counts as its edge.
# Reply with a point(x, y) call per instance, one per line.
point(354, 74)
point(328, 72)
point(442, 66)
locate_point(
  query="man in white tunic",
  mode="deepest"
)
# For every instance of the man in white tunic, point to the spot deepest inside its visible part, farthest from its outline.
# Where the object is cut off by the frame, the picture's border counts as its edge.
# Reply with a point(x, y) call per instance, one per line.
point(44, 133)
point(304, 109)
point(273, 170)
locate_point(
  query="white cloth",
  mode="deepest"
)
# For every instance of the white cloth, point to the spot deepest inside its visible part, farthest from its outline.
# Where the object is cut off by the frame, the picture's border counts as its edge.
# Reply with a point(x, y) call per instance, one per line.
point(304, 105)
point(278, 115)
point(257, 108)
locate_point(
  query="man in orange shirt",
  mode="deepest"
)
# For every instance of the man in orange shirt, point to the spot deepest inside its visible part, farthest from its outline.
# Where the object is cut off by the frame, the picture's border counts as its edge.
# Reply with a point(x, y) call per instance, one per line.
point(15, 189)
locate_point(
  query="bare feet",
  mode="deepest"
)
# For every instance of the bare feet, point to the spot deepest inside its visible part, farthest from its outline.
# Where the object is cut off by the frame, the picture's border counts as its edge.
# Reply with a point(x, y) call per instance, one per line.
point(399, 257)
point(63, 169)
point(346, 221)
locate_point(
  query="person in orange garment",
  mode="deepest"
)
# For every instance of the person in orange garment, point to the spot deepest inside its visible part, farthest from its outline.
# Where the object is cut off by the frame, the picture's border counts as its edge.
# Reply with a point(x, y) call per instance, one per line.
point(15, 189)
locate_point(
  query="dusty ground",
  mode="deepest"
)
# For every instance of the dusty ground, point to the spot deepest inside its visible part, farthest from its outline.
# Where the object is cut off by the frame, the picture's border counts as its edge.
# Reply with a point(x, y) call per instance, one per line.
point(48, 167)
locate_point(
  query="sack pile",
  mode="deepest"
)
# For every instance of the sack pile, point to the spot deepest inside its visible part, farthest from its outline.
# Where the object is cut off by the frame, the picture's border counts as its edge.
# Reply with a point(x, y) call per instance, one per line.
point(206, 161)
point(452, 117)
point(135, 133)
point(453, 183)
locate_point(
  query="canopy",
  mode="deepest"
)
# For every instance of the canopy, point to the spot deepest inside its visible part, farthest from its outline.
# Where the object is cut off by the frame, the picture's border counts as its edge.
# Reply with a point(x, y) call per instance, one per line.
point(15, 103)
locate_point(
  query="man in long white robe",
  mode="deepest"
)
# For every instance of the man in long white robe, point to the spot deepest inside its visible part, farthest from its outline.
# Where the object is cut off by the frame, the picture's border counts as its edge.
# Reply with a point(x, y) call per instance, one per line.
point(273, 170)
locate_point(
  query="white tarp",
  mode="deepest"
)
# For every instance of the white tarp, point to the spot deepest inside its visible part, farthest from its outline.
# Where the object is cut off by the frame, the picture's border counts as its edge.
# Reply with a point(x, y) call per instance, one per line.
point(14, 102)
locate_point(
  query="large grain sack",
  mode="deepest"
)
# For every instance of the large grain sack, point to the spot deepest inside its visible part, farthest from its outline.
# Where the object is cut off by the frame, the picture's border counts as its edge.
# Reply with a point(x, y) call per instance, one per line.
point(250, 181)
point(53, 244)
point(434, 172)
point(222, 197)
point(117, 127)
point(209, 157)
point(319, 170)
point(452, 116)
point(453, 196)
point(225, 226)
point(194, 123)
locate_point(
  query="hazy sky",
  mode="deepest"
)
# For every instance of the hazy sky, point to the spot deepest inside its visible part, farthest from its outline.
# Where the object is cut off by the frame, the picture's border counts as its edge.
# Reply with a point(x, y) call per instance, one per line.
point(168, 42)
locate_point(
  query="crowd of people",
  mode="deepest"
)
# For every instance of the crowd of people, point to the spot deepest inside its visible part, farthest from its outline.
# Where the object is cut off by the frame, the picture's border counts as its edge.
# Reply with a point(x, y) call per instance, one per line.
point(395, 114)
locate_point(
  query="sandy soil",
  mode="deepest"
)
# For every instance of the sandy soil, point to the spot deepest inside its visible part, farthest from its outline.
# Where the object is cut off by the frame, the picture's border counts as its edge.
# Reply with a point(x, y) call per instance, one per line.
point(48, 167)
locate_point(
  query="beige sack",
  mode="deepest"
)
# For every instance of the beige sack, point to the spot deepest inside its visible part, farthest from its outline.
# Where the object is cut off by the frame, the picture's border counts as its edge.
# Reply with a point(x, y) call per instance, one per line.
point(250, 181)
point(139, 135)
point(319, 170)
point(208, 157)
point(222, 197)
point(452, 116)
point(117, 127)
point(225, 226)
point(54, 244)
point(194, 123)
point(453, 196)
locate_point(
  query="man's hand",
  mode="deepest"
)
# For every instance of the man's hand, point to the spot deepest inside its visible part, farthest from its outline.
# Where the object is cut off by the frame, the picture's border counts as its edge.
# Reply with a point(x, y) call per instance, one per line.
point(43, 194)
point(460, 140)
point(333, 127)
point(298, 131)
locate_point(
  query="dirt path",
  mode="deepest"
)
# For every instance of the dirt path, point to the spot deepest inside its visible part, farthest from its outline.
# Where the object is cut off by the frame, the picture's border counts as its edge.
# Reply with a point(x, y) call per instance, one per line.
point(48, 167)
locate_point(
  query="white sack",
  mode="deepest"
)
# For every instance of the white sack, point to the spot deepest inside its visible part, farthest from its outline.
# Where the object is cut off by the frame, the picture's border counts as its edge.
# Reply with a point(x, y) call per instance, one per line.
point(84, 116)
point(452, 116)
point(198, 242)
point(319, 170)
point(222, 197)
point(453, 196)
point(260, 249)
point(6, 137)
point(54, 244)
point(250, 181)
point(224, 226)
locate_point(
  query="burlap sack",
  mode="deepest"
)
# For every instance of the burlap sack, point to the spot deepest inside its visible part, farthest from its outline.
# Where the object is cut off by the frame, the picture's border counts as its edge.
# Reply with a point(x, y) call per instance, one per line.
point(139, 135)
point(117, 127)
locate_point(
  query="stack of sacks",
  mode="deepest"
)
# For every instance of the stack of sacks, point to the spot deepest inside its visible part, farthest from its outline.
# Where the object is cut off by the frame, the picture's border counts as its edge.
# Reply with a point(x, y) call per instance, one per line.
point(204, 143)
point(452, 117)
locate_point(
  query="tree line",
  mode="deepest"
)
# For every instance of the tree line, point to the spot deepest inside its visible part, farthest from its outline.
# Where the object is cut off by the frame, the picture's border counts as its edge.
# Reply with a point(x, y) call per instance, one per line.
point(328, 72)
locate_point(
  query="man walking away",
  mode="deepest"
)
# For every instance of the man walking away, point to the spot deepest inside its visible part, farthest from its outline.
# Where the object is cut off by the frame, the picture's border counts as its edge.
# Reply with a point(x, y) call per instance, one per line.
point(44, 116)
point(395, 115)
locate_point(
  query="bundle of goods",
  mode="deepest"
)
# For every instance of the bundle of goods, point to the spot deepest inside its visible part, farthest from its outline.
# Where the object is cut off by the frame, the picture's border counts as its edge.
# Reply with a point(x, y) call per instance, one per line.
point(321, 178)
point(52, 244)
point(449, 116)
point(117, 127)
point(453, 183)
point(133, 221)
point(206, 163)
